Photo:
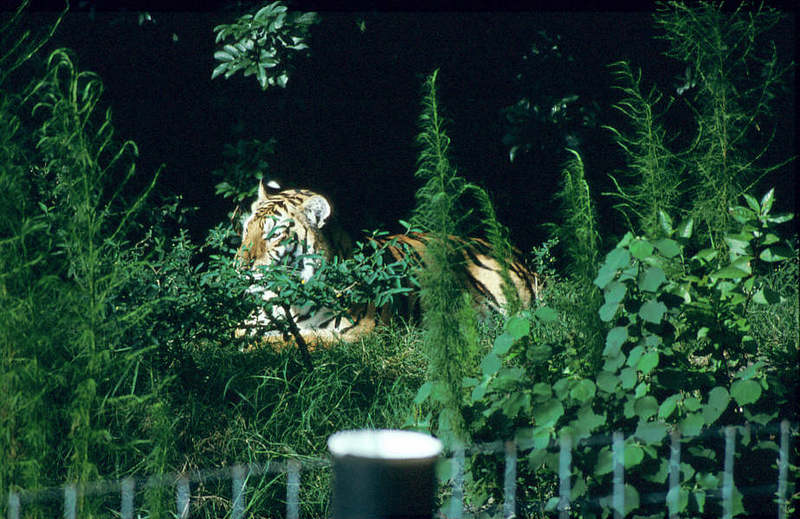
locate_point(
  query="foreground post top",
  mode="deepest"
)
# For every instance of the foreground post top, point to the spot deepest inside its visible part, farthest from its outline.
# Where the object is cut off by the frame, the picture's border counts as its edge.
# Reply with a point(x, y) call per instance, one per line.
point(384, 444)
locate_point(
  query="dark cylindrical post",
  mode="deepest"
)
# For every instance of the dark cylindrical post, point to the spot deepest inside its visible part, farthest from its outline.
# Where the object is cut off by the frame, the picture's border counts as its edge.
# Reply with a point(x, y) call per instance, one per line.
point(382, 474)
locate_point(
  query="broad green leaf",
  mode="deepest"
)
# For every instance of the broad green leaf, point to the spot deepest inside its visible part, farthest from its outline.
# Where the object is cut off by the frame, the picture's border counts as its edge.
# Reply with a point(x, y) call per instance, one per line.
point(546, 414)
point(614, 341)
point(742, 214)
point(502, 344)
point(423, 393)
point(692, 424)
point(221, 55)
point(691, 403)
point(766, 296)
point(677, 500)
point(746, 391)
point(518, 327)
point(633, 455)
point(775, 253)
point(651, 279)
point(583, 391)
point(614, 292)
point(705, 255)
point(607, 381)
point(628, 378)
point(546, 314)
point(668, 248)
point(608, 311)
point(648, 362)
point(718, 399)
point(781, 218)
point(646, 407)
point(634, 355)
point(490, 364)
point(651, 433)
point(641, 249)
point(615, 260)
point(605, 462)
point(653, 311)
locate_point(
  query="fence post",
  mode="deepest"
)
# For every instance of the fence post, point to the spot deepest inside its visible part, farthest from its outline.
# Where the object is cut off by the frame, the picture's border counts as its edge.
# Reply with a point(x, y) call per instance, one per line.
point(293, 489)
point(564, 473)
point(457, 500)
point(783, 469)
point(182, 496)
point(13, 505)
point(510, 480)
point(618, 455)
point(238, 477)
point(126, 499)
point(727, 476)
point(70, 501)
point(673, 497)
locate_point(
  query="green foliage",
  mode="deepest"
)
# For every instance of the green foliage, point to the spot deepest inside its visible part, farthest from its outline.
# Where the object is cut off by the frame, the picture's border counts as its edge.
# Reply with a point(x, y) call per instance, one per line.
point(70, 376)
point(263, 44)
point(245, 161)
point(734, 80)
point(679, 353)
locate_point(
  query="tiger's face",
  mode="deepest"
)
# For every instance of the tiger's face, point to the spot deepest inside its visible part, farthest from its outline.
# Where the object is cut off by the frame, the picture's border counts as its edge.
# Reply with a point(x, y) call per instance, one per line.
point(285, 228)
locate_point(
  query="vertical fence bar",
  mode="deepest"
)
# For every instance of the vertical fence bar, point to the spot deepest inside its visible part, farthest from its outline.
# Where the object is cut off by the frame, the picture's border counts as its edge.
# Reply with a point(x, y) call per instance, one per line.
point(126, 498)
point(783, 469)
point(674, 473)
point(182, 496)
point(618, 455)
point(13, 505)
point(238, 477)
point(564, 473)
point(70, 501)
point(293, 489)
point(457, 500)
point(510, 480)
point(727, 476)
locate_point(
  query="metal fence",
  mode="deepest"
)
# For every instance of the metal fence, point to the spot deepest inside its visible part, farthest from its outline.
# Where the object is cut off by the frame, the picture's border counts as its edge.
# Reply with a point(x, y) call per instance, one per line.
point(239, 475)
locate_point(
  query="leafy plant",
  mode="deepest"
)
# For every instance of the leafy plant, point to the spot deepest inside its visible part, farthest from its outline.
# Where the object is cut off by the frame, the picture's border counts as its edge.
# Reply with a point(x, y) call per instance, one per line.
point(678, 355)
point(262, 44)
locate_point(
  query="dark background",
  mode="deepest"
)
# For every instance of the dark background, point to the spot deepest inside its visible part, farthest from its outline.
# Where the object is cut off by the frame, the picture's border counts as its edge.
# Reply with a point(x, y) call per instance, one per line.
point(346, 123)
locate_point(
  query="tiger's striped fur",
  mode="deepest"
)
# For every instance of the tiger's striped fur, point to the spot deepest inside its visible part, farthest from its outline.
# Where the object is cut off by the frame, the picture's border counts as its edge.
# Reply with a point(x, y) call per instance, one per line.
point(288, 226)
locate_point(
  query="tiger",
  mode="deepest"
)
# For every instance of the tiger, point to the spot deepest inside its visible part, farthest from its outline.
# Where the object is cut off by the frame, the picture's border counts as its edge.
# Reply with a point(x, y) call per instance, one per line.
point(293, 227)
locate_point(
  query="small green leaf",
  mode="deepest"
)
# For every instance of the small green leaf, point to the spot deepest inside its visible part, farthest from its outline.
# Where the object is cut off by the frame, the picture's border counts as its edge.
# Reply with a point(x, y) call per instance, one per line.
point(705, 255)
point(775, 253)
point(605, 462)
point(628, 378)
point(608, 311)
point(423, 393)
point(685, 229)
point(752, 202)
point(646, 407)
point(546, 314)
point(651, 433)
point(518, 327)
point(614, 341)
point(648, 362)
point(651, 279)
point(221, 55)
point(607, 381)
point(666, 222)
point(653, 311)
point(718, 399)
point(766, 202)
point(668, 248)
point(746, 391)
point(641, 249)
point(491, 364)
point(729, 272)
point(546, 414)
point(633, 455)
point(614, 292)
point(692, 424)
point(766, 296)
point(502, 344)
point(583, 391)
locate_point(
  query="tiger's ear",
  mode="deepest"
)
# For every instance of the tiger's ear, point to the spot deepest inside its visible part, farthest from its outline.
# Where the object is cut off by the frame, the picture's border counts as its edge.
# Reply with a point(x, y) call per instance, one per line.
point(262, 193)
point(317, 209)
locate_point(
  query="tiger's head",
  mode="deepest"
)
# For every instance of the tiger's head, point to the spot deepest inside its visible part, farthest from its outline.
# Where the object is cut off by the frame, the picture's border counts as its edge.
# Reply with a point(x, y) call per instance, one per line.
point(286, 228)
